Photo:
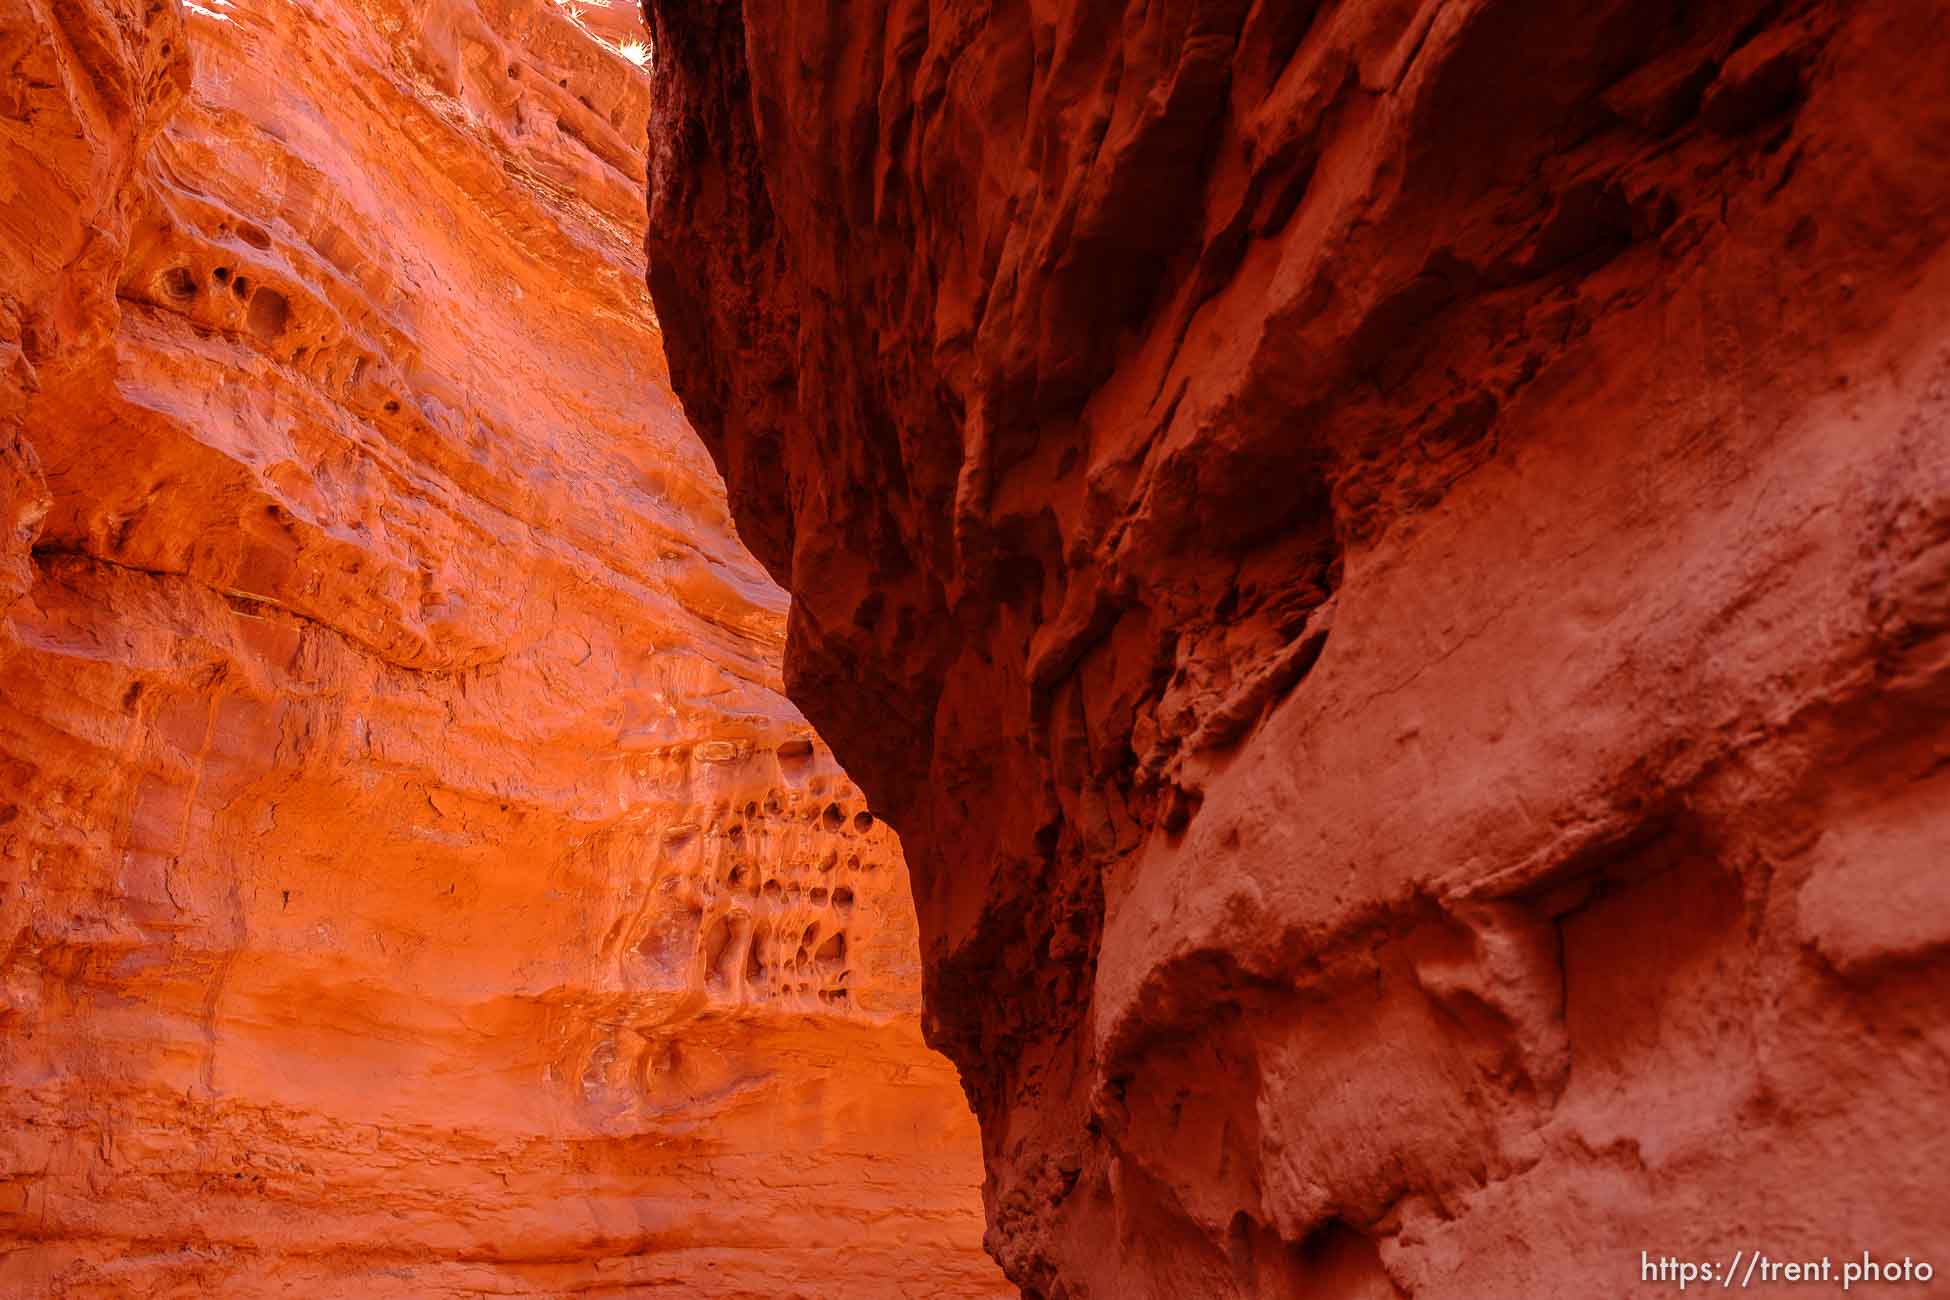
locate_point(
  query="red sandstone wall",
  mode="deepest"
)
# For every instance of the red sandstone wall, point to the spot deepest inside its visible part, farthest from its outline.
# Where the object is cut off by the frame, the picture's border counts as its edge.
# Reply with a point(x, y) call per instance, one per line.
point(412, 881)
point(1388, 561)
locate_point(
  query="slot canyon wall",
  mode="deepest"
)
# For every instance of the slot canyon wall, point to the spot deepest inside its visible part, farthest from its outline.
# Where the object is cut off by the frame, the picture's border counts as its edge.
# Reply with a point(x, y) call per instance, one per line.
point(412, 880)
point(1390, 562)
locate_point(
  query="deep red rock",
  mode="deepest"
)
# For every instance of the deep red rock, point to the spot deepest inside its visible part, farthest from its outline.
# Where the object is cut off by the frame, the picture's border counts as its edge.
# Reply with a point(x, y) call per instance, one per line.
point(1389, 563)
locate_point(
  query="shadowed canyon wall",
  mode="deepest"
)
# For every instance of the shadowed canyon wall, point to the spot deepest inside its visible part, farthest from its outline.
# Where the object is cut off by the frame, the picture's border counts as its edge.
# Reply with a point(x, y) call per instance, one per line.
point(1390, 561)
point(412, 880)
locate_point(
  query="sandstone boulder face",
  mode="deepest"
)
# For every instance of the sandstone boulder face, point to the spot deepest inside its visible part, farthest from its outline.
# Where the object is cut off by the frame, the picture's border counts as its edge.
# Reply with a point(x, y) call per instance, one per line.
point(413, 880)
point(1388, 562)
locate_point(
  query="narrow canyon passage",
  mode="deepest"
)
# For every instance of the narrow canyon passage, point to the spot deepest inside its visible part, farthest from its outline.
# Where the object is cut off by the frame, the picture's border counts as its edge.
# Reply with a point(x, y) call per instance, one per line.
point(413, 881)
point(1341, 689)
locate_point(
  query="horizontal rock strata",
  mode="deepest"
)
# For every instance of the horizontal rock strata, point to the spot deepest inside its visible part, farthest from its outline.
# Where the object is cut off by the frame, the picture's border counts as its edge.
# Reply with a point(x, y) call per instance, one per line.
point(412, 880)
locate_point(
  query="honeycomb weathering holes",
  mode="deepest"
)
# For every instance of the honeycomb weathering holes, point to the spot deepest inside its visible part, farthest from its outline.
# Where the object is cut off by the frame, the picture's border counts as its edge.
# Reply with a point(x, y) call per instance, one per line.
point(756, 941)
point(269, 312)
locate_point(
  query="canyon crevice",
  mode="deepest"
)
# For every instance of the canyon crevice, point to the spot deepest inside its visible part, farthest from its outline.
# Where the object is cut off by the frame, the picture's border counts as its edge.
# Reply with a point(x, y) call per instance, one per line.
point(1390, 563)
point(413, 881)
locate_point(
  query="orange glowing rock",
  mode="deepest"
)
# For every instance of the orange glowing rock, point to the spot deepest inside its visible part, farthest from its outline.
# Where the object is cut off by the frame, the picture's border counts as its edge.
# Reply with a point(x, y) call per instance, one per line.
point(412, 879)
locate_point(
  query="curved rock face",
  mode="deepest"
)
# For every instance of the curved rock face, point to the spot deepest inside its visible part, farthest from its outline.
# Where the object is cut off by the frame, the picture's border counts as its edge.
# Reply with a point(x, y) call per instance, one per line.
point(412, 880)
point(1388, 561)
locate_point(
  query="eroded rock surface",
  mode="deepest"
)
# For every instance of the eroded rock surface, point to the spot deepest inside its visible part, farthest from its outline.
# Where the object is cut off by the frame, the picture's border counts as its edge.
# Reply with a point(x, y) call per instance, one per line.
point(1389, 562)
point(412, 880)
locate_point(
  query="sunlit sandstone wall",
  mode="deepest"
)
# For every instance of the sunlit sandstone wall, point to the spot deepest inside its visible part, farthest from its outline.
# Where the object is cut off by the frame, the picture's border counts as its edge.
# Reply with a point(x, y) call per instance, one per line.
point(412, 882)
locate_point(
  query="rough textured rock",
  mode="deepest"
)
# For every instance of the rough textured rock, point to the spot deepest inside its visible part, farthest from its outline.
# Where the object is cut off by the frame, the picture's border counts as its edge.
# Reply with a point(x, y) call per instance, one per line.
point(412, 881)
point(1388, 561)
